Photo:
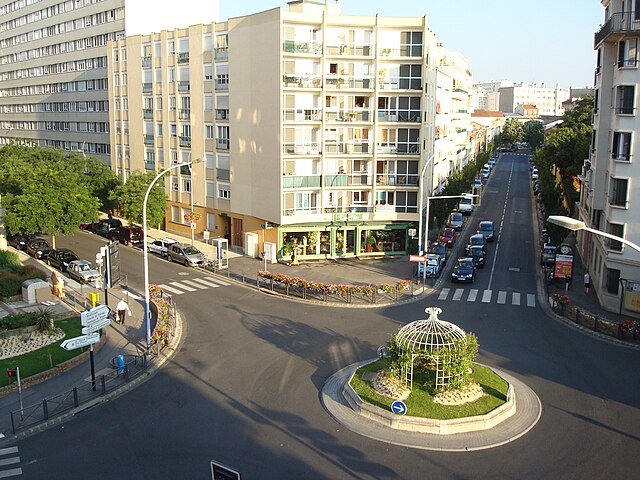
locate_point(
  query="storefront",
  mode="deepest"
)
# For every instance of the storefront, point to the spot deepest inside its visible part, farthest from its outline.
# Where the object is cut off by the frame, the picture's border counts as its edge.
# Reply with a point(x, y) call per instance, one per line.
point(342, 239)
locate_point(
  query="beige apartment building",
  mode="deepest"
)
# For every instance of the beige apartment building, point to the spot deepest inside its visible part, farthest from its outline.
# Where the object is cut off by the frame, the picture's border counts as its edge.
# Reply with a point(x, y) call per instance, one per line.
point(312, 126)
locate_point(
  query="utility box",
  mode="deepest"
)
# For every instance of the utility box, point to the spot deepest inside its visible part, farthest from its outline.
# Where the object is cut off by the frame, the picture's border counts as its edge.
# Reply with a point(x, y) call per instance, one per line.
point(35, 290)
point(270, 252)
point(221, 253)
point(251, 245)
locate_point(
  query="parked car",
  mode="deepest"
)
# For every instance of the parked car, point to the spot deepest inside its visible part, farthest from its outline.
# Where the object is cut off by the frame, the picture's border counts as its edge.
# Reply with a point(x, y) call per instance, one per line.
point(440, 249)
point(465, 206)
point(127, 234)
point(82, 271)
point(38, 248)
point(548, 255)
point(186, 254)
point(492, 162)
point(477, 239)
point(448, 237)
point(433, 264)
point(464, 270)
point(161, 246)
point(18, 241)
point(534, 174)
point(485, 172)
point(455, 221)
point(60, 258)
point(104, 226)
point(486, 228)
point(478, 254)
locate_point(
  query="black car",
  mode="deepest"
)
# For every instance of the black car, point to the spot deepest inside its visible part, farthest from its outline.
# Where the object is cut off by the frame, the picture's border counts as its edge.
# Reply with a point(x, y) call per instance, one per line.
point(476, 239)
point(464, 270)
point(18, 241)
point(38, 248)
point(127, 235)
point(478, 254)
point(104, 227)
point(60, 258)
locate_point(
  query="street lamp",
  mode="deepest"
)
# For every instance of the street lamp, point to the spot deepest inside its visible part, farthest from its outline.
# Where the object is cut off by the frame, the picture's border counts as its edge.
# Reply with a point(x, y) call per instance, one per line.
point(575, 225)
point(424, 169)
point(145, 251)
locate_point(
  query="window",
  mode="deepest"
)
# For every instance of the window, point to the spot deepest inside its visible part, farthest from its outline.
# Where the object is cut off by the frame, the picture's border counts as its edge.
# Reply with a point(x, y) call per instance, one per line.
point(411, 44)
point(616, 229)
point(159, 129)
point(186, 185)
point(621, 149)
point(224, 191)
point(625, 100)
point(360, 197)
point(209, 132)
point(305, 201)
point(175, 214)
point(618, 192)
point(410, 77)
point(211, 189)
point(185, 211)
point(174, 129)
point(172, 47)
point(175, 186)
point(628, 53)
point(596, 100)
point(211, 221)
point(613, 281)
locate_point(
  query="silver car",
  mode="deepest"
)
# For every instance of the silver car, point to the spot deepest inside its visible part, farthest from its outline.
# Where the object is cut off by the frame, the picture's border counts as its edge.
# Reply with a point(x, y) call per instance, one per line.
point(161, 246)
point(82, 271)
point(185, 254)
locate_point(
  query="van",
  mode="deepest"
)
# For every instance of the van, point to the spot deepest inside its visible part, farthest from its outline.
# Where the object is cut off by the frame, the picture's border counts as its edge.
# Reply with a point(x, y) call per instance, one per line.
point(466, 204)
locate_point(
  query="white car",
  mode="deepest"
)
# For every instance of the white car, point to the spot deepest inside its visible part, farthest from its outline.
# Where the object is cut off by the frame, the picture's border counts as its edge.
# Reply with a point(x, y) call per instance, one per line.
point(161, 246)
point(534, 174)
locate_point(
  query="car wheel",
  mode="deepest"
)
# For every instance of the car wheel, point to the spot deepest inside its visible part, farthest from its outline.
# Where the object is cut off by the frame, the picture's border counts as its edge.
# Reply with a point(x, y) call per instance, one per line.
point(169, 258)
point(186, 263)
point(48, 262)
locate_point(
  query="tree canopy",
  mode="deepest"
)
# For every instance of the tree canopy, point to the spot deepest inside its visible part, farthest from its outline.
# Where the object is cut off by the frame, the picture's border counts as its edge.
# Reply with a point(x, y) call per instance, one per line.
point(533, 133)
point(512, 132)
point(129, 198)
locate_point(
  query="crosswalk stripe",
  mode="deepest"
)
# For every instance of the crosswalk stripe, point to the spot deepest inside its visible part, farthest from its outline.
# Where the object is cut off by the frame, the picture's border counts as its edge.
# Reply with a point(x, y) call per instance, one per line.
point(9, 461)
point(473, 293)
point(531, 300)
point(195, 284)
point(216, 280)
point(443, 294)
point(502, 297)
point(515, 299)
point(486, 296)
point(205, 282)
point(183, 287)
point(170, 289)
point(7, 451)
point(457, 295)
point(11, 473)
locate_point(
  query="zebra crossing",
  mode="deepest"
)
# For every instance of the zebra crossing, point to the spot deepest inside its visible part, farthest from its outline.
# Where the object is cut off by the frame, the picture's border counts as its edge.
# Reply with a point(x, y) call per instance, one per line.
point(192, 285)
point(501, 297)
point(9, 463)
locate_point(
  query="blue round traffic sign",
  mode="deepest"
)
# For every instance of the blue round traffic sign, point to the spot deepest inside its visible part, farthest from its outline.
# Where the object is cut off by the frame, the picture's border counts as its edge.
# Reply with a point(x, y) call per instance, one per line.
point(399, 407)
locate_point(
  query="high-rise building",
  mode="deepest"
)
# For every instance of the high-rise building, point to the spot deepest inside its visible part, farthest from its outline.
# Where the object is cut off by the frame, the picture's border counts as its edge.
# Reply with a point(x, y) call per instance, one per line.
point(53, 66)
point(609, 195)
point(547, 100)
point(308, 121)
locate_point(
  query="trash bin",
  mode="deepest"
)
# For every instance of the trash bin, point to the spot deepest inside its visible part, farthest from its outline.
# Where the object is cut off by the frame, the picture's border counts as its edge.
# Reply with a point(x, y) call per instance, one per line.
point(121, 364)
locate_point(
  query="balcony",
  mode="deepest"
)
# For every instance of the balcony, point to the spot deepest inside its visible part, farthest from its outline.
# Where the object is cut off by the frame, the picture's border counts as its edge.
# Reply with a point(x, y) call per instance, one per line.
point(399, 83)
point(408, 50)
point(301, 148)
point(148, 139)
point(289, 212)
point(146, 61)
point(147, 113)
point(395, 180)
point(619, 24)
point(149, 165)
point(405, 148)
point(221, 53)
point(147, 87)
point(347, 179)
point(184, 114)
point(351, 49)
point(223, 174)
point(349, 209)
point(185, 141)
point(183, 57)
point(222, 84)
point(222, 114)
point(302, 81)
point(348, 147)
point(301, 181)
point(411, 116)
point(300, 115)
point(184, 86)
point(348, 115)
point(293, 46)
point(342, 81)
point(222, 143)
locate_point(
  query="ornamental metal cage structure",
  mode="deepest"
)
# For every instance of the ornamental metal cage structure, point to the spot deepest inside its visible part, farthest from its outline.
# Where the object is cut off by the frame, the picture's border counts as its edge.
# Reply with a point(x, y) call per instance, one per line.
point(429, 339)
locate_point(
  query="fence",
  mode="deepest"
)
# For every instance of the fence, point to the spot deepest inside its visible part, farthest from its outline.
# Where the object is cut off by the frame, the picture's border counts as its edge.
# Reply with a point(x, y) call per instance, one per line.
point(130, 368)
point(592, 321)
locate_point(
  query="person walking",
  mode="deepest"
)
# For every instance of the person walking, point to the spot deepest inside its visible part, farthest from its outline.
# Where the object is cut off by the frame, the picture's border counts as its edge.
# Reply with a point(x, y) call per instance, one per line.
point(122, 309)
point(587, 282)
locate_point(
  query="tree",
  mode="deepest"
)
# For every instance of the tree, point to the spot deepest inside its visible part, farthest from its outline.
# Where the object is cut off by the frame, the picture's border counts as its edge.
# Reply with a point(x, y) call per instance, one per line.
point(129, 198)
point(512, 132)
point(533, 133)
point(98, 177)
point(42, 192)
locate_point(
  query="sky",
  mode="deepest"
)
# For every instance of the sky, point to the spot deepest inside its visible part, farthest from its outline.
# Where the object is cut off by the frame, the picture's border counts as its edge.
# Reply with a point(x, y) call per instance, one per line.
point(534, 41)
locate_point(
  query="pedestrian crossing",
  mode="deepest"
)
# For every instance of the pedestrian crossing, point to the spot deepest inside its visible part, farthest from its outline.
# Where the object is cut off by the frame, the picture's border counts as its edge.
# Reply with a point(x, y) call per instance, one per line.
point(501, 297)
point(192, 285)
point(10, 463)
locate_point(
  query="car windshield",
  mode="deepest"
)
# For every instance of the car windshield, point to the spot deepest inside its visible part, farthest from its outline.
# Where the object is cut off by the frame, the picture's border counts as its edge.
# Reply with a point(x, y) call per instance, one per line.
point(40, 244)
point(476, 251)
point(465, 201)
point(447, 233)
point(456, 217)
point(191, 251)
point(85, 267)
point(486, 227)
point(477, 240)
point(465, 263)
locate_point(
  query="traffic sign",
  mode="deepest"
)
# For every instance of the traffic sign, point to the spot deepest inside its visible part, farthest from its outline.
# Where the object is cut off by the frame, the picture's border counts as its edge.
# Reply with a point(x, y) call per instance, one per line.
point(94, 315)
point(399, 407)
point(193, 225)
point(97, 325)
point(81, 341)
point(205, 235)
point(417, 258)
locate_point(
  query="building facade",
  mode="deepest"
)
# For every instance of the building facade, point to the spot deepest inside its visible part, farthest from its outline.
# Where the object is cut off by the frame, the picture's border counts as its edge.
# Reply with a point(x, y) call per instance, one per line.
point(547, 100)
point(313, 126)
point(610, 197)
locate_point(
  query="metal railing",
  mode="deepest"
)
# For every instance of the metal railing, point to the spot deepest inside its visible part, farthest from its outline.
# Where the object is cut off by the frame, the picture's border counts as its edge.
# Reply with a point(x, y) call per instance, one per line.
point(617, 23)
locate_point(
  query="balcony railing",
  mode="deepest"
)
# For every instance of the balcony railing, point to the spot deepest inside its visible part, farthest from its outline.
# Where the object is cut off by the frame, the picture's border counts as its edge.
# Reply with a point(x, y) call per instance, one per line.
point(221, 53)
point(394, 180)
point(301, 148)
point(342, 81)
point(148, 139)
point(288, 212)
point(302, 81)
point(625, 110)
point(353, 49)
point(622, 22)
point(183, 57)
point(185, 141)
point(403, 51)
point(301, 181)
point(349, 209)
point(300, 114)
point(146, 61)
point(222, 84)
point(148, 113)
point(348, 115)
point(222, 143)
point(399, 116)
point(222, 114)
point(184, 114)
point(149, 165)
point(184, 86)
point(347, 179)
point(348, 147)
point(147, 87)
point(223, 174)
point(294, 46)
point(410, 148)
point(400, 83)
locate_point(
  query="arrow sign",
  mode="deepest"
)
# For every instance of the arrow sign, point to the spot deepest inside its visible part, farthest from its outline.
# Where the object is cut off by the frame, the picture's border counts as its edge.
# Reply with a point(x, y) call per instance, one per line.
point(94, 315)
point(417, 258)
point(82, 341)
point(399, 407)
point(97, 325)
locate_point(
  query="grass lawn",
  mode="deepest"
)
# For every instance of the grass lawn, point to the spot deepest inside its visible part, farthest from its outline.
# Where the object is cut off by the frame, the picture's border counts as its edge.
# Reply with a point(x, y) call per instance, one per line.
point(420, 402)
point(38, 360)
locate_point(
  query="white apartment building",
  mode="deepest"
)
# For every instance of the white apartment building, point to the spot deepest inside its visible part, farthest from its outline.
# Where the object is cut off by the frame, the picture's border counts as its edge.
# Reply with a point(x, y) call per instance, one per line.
point(311, 122)
point(610, 197)
point(53, 67)
point(486, 94)
point(547, 100)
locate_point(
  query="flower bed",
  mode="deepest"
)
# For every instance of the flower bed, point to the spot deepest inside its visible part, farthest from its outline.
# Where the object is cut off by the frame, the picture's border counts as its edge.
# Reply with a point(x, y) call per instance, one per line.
point(164, 324)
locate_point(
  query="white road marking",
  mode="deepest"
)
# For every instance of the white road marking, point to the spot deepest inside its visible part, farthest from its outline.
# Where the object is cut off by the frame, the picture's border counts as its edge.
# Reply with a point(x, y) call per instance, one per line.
point(183, 286)
point(11, 473)
point(443, 294)
point(457, 295)
point(502, 297)
point(515, 299)
point(486, 296)
point(205, 282)
point(216, 280)
point(195, 284)
point(7, 451)
point(473, 293)
point(531, 300)
point(9, 461)
point(175, 291)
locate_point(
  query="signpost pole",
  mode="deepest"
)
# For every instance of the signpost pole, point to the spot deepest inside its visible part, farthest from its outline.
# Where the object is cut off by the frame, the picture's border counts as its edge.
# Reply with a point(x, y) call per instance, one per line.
point(93, 365)
point(19, 391)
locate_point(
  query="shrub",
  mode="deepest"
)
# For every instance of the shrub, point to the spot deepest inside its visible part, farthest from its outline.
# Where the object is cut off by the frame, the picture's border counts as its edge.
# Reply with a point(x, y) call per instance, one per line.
point(18, 320)
point(8, 258)
point(9, 287)
point(44, 319)
point(12, 276)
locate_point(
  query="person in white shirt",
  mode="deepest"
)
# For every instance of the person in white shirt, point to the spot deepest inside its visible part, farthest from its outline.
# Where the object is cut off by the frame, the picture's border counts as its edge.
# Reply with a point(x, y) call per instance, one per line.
point(122, 308)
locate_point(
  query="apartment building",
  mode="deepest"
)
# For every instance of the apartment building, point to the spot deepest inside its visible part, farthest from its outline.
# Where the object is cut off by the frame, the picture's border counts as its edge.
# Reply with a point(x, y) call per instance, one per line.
point(486, 94)
point(53, 67)
point(313, 126)
point(547, 100)
point(609, 197)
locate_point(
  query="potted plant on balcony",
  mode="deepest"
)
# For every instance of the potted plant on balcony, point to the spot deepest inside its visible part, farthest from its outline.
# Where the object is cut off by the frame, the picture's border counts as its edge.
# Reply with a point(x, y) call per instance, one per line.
point(370, 241)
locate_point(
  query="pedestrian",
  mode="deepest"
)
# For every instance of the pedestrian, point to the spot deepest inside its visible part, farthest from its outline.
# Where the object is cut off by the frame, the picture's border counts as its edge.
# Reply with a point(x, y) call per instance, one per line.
point(587, 282)
point(122, 309)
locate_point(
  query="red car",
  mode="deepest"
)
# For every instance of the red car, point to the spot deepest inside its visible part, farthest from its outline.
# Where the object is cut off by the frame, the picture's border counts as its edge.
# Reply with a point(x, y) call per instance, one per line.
point(448, 237)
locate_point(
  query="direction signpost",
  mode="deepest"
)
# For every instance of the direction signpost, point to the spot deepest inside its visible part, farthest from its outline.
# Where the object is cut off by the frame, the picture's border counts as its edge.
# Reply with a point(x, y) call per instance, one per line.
point(81, 341)
point(92, 320)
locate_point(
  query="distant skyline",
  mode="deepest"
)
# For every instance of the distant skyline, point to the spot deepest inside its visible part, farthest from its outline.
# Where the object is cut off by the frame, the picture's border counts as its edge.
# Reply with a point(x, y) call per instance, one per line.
point(543, 41)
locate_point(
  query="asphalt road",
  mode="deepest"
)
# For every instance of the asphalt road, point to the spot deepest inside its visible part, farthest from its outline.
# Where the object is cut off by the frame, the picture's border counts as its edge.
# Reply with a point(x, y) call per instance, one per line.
point(244, 387)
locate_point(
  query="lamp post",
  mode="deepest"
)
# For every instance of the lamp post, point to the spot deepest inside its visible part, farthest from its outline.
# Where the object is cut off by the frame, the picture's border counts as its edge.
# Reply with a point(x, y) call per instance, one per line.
point(424, 169)
point(575, 225)
point(145, 251)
